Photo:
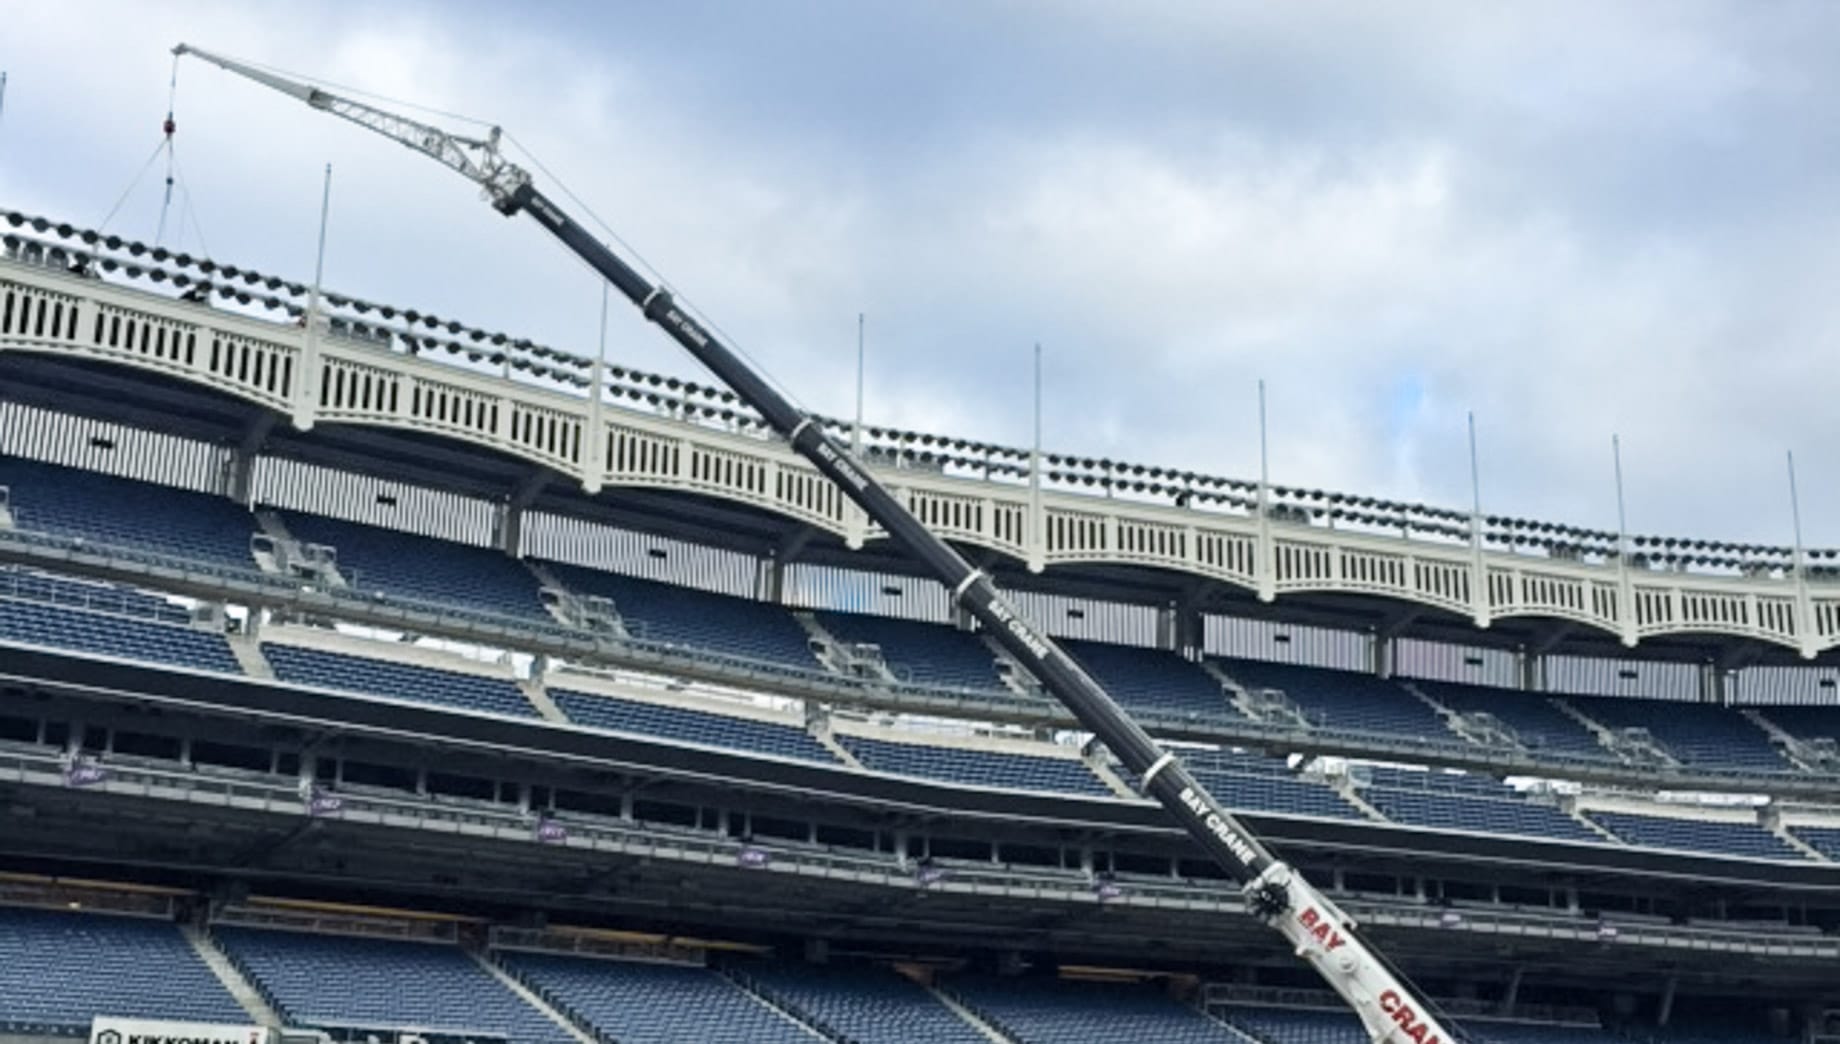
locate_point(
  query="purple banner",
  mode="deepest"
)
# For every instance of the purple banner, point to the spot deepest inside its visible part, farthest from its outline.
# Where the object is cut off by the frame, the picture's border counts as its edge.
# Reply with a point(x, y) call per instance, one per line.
point(551, 832)
point(1107, 890)
point(83, 772)
point(753, 858)
point(323, 802)
point(928, 874)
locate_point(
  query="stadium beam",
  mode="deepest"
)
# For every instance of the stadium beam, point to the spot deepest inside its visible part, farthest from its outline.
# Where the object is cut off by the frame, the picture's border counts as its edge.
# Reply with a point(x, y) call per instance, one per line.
point(1318, 931)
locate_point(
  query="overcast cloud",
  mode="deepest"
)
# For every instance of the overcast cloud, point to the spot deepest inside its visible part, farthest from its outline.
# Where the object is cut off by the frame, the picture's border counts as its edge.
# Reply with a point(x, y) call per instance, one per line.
point(1575, 219)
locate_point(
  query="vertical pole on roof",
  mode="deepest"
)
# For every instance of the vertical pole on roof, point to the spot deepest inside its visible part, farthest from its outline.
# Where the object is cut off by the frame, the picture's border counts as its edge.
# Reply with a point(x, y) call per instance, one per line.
point(1804, 621)
point(1265, 568)
point(1038, 535)
point(1622, 520)
point(1479, 576)
point(1264, 455)
point(307, 400)
point(2, 92)
point(593, 456)
point(1626, 594)
point(1475, 486)
point(1795, 513)
point(856, 432)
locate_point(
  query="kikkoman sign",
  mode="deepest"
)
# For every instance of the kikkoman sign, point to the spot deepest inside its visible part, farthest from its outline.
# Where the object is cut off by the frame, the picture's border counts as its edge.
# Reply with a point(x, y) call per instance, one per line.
point(105, 1030)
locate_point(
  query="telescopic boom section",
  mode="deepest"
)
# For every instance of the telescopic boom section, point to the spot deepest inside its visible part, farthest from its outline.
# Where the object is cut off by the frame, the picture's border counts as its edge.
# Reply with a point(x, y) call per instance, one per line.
point(1319, 932)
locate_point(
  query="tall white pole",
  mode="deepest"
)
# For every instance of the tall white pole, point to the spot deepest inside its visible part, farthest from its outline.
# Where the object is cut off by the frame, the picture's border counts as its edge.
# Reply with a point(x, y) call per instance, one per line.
point(2, 93)
point(1475, 486)
point(1264, 456)
point(856, 433)
point(1622, 519)
point(1795, 511)
point(1035, 452)
point(308, 400)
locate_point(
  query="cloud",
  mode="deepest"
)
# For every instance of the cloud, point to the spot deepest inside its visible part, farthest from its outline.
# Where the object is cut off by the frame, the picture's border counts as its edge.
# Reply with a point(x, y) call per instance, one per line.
point(1575, 220)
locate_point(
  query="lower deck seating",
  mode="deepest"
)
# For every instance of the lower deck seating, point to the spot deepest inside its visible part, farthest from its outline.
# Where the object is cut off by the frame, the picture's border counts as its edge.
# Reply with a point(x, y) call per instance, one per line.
point(30, 586)
point(651, 1003)
point(982, 768)
point(323, 981)
point(1706, 837)
point(1825, 840)
point(59, 969)
point(1298, 1026)
point(1467, 803)
point(402, 681)
point(102, 634)
point(1049, 1012)
point(1248, 782)
point(692, 726)
point(865, 1005)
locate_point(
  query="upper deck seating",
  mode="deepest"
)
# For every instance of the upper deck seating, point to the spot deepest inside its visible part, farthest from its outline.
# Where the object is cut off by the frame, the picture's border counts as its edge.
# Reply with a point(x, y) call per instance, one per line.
point(1152, 680)
point(1542, 728)
point(699, 620)
point(921, 653)
point(139, 519)
point(1700, 736)
point(407, 567)
point(1345, 700)
point(60, 969)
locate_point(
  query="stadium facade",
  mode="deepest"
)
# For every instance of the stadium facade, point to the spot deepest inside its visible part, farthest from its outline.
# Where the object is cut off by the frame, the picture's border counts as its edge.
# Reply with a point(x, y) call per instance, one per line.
point(373, 649)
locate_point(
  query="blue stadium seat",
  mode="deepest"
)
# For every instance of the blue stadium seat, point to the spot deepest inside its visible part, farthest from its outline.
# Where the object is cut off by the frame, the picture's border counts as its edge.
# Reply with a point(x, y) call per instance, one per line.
point(402, 681)
point(708, 728)
point(865, 1005)
point(320, 981)
point(1542, 728)
point(651, 1003)
point(1050, 1011)
point(407, 567)
point(28, 585)
point(1466, 802)
point(1345, 700)
point(1295, 1026)
point(1698, 735)
point(139, 519)
point(1248, 782)
point(1825, 840)
point(59, 969)
point(53, 627)
point(698, 620)
point(1154, 680)
point(1697, 835)
point(921, 653)
point(982, 768)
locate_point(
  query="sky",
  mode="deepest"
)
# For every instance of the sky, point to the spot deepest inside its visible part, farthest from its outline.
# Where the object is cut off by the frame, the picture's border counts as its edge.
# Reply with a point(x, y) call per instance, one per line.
point(1573, 219)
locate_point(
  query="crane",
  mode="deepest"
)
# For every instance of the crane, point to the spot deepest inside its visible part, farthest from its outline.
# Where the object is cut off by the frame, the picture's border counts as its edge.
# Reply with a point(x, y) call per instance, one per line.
point(1319, 932)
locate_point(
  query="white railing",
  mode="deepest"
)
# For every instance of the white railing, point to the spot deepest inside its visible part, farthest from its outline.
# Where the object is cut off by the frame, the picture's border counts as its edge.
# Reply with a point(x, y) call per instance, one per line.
point(358, 382)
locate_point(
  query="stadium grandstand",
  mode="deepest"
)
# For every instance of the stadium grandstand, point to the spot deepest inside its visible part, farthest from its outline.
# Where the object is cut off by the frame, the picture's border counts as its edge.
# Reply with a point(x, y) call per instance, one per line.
point(374, 675)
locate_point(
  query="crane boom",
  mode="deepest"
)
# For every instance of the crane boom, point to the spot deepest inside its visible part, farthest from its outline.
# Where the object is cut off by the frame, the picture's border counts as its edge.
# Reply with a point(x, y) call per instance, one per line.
point(1318, 931)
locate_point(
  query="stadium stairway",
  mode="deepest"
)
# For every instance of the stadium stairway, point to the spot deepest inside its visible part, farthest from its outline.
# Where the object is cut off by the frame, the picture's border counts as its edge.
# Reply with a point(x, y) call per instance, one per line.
point(953, 1005)
point(528, 996)
point(259, 1010)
